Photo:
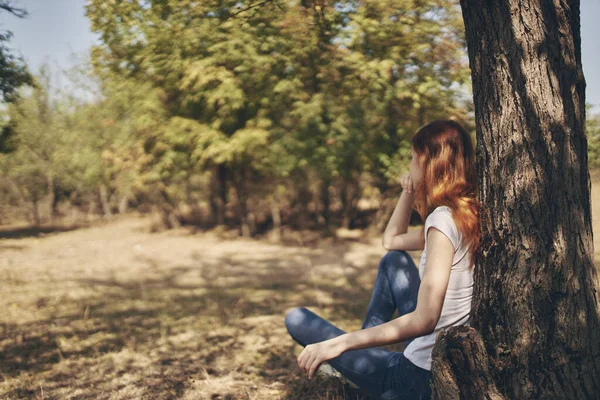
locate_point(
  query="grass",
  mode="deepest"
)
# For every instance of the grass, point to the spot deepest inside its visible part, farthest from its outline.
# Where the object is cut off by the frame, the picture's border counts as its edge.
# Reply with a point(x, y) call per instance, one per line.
point(113, 311)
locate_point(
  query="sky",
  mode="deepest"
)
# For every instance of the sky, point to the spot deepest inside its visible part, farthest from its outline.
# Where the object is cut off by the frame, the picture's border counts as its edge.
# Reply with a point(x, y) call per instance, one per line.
point(57, 29)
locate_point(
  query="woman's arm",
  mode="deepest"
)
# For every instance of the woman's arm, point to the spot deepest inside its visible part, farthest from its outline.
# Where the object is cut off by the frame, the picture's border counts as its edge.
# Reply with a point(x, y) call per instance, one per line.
point(402, 328)
point(412, 240)
point(408, 326)
point(430, 300)
point(420, 322)
point(398, 223)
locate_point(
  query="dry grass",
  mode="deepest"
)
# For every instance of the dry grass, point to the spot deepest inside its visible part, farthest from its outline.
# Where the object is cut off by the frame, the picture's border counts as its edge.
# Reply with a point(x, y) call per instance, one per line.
point(112, 311)
point(115, 312)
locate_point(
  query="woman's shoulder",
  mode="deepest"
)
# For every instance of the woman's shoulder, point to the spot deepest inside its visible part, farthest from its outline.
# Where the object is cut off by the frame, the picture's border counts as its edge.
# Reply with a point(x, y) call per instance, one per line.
point(443, 213)
point(441, 218)
point(440, 210)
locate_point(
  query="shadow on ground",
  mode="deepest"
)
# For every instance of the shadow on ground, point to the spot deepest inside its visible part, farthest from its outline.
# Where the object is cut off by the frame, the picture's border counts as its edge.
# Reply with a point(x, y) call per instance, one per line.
point(211, 328)
point(33, 231)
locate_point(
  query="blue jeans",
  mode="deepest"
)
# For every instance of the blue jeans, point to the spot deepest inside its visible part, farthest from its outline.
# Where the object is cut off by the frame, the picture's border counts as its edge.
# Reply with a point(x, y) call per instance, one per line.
point(382, 373)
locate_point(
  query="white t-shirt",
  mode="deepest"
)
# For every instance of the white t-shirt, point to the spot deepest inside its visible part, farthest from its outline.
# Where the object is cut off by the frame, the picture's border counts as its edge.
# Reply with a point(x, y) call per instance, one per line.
point(457, 303)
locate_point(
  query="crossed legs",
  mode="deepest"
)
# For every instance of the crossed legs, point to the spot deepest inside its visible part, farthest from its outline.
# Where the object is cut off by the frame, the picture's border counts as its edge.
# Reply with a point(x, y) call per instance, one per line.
point(396, 287)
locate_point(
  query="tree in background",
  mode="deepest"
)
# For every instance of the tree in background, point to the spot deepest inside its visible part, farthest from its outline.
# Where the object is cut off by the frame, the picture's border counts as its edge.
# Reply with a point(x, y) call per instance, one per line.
point(413, 56)
point(13, 74)
point(535, 301)
point(33, 166)
point(258, 94)
point(86, 152)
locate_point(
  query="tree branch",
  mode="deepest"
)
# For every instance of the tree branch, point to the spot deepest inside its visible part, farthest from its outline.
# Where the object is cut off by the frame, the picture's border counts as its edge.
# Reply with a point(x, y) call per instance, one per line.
point(6, 5)
point(250, 7)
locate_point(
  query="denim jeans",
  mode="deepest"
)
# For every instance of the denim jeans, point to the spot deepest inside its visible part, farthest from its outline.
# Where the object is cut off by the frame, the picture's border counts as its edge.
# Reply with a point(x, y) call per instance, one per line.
point(383, 374)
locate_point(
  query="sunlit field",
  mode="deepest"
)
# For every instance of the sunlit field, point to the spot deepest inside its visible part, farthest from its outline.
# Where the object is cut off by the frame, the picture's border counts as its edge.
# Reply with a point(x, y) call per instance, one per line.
point(113, 311)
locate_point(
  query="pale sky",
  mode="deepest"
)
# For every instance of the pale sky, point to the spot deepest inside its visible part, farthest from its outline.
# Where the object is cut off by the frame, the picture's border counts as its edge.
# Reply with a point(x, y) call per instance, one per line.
point(57, 28)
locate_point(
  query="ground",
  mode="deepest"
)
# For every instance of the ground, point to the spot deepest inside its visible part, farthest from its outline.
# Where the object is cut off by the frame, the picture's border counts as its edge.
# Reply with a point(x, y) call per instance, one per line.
point(113, 311)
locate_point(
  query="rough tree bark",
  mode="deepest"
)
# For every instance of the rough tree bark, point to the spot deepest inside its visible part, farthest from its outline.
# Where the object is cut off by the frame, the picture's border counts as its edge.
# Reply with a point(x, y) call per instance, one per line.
point(535, 299)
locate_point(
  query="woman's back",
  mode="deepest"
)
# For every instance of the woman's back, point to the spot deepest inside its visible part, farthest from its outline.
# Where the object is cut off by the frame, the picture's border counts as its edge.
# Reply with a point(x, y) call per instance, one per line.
point(457, 302)
point(437, 293)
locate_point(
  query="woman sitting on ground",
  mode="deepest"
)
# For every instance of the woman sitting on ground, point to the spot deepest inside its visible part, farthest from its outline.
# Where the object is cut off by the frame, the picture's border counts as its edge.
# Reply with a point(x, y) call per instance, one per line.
point(442, 187)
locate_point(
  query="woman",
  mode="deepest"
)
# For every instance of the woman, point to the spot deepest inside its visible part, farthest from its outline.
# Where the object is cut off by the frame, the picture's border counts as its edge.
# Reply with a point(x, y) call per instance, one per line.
point(441, 186)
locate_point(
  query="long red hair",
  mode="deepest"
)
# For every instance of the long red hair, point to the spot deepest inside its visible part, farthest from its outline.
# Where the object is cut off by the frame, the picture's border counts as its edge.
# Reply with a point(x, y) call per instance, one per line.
point(445, 153)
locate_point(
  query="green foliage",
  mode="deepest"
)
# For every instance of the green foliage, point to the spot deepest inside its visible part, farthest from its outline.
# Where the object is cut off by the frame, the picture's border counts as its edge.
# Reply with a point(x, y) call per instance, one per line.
point(252, 94)
point(34, 160)
point(13, 71)
point(7, 137)
point(13, 74)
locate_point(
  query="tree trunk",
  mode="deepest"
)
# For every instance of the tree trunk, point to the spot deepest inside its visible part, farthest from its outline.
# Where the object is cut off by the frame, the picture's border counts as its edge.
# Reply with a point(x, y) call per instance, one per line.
point(304, 198)
point(325, 201)
point(242, 203)
point(104, 203)
point(123, 204)
point(168, 215)
point(461, 350)
point(218, 195)
point(276, 215)
point(385, 211)
point(535, 299)
point(350, 195)
point(35, 209)
point(54, 198)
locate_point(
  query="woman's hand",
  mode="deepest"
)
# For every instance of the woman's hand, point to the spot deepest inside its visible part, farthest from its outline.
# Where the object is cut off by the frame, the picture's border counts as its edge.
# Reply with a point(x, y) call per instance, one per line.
point(314, 354)
point(407, 183)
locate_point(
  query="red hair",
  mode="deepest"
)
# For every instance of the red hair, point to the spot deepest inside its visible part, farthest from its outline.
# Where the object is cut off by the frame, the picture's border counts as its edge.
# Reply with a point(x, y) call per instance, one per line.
point(445, 154)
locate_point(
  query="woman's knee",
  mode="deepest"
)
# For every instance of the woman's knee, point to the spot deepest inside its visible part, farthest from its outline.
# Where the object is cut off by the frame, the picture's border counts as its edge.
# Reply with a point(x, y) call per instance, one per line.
point(295, 318)
point(396, 259)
